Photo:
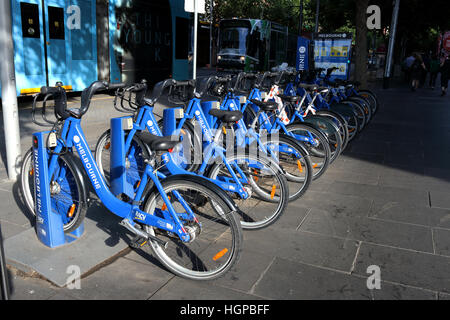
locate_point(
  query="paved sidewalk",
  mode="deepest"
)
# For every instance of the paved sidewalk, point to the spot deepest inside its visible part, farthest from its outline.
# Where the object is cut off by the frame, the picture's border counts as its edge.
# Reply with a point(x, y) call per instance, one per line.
point(383, 203)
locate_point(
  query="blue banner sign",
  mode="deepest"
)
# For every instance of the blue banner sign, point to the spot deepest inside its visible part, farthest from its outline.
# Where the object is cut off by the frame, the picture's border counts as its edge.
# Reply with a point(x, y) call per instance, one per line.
point(302, 54)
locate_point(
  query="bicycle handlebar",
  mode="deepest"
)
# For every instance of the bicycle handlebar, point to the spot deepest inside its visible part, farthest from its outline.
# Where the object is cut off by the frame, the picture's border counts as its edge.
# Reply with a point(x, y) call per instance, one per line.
point(59, 95)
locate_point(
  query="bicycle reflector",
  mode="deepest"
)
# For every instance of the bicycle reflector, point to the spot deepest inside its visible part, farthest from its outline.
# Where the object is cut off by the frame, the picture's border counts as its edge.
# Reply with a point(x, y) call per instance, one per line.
point(35, 142)
point(220, 254)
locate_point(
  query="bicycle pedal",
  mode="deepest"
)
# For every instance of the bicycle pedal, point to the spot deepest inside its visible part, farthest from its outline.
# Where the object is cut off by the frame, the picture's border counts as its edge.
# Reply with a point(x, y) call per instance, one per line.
point(138, 242)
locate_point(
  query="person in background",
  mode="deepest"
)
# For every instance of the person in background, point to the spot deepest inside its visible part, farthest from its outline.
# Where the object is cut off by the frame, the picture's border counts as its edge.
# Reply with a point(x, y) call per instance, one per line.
point(445, 74)
point(416, 68)
point(434, 70)
point(426, 62)
point(407, 65)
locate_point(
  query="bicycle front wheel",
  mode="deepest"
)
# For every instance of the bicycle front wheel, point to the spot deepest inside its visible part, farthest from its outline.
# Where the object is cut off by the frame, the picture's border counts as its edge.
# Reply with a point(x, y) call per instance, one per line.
point(216, 236)
point(66, 191)
point(264, 182)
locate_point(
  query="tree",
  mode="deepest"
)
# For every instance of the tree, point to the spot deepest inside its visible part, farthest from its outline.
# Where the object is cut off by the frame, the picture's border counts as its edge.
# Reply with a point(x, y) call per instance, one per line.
point(361, 42)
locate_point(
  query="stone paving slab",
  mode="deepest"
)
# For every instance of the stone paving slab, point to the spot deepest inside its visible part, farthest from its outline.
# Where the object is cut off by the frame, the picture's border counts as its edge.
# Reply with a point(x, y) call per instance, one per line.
point(440, 199)
point(134, 281)
point(335, 203)
point(316, 249)
point(417, 215)
point(441, 238)
point(181, 289)
point(414, 197)
point(368, 230)
point(417, 269)
point(308, 282)
point(103, 238)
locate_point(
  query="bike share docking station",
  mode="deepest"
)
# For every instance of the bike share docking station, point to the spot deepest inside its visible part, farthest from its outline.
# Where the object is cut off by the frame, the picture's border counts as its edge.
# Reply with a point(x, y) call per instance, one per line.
point(118, 160)
point(49, 223)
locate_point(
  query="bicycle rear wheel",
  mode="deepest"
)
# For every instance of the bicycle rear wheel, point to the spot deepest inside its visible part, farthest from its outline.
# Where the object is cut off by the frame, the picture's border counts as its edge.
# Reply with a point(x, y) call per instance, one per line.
point(317, 146)
point(216, 236)
point(294, 161)
point(134, 159)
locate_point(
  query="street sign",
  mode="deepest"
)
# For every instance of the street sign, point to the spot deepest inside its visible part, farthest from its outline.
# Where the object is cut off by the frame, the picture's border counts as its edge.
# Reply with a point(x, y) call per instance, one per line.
point(333, 50)
point(302, 54)
point(189, 6)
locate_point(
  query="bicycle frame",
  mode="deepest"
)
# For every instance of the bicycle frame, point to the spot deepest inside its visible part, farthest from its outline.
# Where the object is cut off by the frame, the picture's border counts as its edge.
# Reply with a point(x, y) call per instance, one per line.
point(145, 120)
point(73, 136)
point(272, 126)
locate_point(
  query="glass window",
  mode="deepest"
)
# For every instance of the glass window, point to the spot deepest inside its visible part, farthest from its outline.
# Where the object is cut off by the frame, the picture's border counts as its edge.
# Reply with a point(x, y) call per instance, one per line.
point(233, 40)
point(56, 23)
point(30, 20)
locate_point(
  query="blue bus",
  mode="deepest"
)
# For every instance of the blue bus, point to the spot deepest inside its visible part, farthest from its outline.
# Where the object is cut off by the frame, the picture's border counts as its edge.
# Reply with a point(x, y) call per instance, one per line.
point(80, 41)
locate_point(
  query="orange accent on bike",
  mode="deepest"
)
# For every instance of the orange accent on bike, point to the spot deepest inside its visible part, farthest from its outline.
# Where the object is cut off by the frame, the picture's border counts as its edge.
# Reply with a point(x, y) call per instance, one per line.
point(314, 165)
point(108, 145)
point(31, 172)
point(71, 211)
point(299, 165)
point(224, 130)
point(272, 194)
point(255, 178)
point(164, 207)
point(220, 254)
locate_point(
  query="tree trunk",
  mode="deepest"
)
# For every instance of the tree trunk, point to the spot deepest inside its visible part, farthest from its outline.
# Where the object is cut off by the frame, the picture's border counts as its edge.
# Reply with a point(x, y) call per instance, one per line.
point(361, 42)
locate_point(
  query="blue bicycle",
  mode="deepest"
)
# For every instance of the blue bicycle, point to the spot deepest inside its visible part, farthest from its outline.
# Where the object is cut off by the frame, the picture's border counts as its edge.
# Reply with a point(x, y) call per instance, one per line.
point(255, 182)
point(188, 221)
point(264, 115)
point(287, 151)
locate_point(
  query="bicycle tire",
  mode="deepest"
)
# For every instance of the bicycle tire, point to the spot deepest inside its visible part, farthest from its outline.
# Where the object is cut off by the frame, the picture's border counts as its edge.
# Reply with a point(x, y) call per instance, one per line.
point(251, 208)
point(68, 191)
point(176, 256)
point(323, 158)
point(291, 164)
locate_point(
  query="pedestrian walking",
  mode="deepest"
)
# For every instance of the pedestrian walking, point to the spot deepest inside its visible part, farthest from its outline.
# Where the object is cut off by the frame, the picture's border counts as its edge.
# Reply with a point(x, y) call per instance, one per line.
point(445, 75)
point(426, 62)
point(416, 68)
point(434, 70)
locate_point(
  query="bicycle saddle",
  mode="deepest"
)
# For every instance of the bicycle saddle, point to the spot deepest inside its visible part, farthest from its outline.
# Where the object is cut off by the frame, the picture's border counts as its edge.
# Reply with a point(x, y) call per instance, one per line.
point(265, 106)
point(292, 99)
point(158, 143)
point(226, 116)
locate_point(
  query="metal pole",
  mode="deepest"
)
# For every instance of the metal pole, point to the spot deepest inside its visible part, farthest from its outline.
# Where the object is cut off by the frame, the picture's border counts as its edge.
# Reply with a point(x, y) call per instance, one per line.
point(9, 97)
point(300, 22)
point(390, 53)
point(210, 32)
point(194, 71)
point(316, 28)
point(4, 281)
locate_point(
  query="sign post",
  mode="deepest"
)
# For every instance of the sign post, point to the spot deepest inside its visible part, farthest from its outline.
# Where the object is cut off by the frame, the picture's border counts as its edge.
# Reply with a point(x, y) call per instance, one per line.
point(9, 94)
point(195, 6)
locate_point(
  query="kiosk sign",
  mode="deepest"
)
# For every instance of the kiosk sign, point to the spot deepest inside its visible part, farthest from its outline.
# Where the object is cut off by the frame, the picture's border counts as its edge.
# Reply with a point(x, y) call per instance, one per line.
point(333, 50)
